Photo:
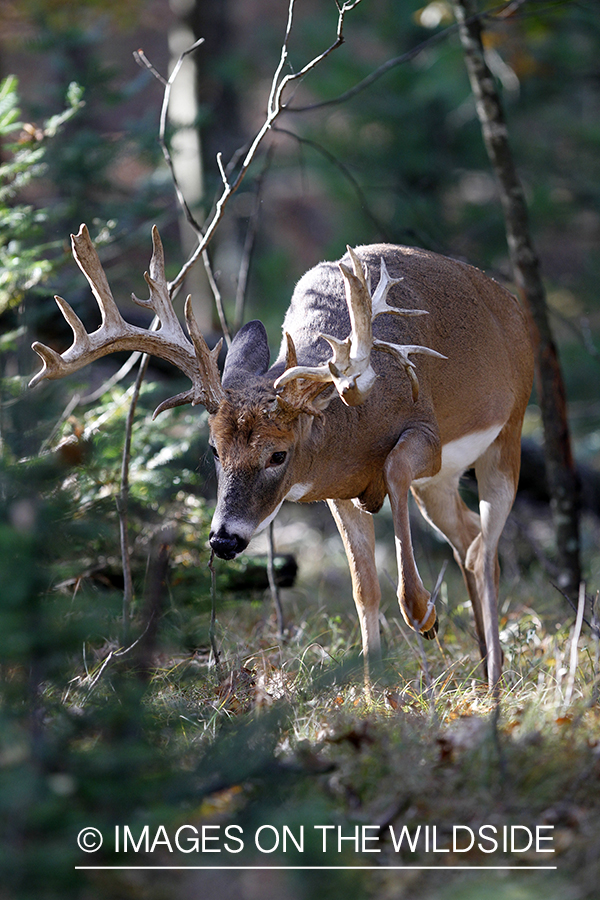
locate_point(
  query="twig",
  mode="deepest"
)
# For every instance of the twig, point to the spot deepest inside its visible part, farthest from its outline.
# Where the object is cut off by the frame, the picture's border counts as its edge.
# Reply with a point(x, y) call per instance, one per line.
point(217, 296)
point(123, 500)
point(422, 654)
point(142, 60)
point(272, 582)
point(378, 73)
point(249, 242)
point(114, 379)
point(344, 171)
point(589, 624)
point(71, 405)
point(114, 654)
point(496, 739)
point(213, 615)
point(158, 568)
point(406, 57)
point(596, 637)
point(574, 650)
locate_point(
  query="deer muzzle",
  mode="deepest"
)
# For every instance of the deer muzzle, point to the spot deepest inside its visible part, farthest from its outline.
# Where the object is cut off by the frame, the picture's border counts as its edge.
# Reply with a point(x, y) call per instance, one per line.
point(225, 544)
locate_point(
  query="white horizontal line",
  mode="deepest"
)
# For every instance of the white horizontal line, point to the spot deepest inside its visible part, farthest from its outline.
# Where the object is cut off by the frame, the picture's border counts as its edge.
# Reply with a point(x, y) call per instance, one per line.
point(297, 868)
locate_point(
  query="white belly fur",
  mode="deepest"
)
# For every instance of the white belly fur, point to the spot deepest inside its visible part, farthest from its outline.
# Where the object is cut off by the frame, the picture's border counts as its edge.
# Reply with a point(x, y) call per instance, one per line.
point(460, 454)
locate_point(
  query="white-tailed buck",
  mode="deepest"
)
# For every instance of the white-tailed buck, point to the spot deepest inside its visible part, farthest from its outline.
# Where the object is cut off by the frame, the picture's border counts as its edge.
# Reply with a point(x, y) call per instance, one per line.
point(346, 415)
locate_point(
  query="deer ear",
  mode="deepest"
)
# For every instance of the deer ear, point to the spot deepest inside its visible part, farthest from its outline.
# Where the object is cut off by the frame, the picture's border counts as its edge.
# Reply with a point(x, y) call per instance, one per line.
point(248, 355)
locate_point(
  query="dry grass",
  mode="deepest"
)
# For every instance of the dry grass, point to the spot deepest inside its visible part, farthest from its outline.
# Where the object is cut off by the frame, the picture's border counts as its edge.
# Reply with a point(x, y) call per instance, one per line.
point(424, 747)
point(284, 733)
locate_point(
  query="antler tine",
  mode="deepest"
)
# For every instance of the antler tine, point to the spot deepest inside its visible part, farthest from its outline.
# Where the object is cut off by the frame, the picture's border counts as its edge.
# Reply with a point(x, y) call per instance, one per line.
point(291, 357)
point(56, 365)
point(210, 380)
point(358, 298)
point(206, 384)
point(159, 301)
point(349, 368)
point(401, 353)
point(169, 342)
point(88, 261)
point(293, 398)
point(379, 302)
point(52, 364)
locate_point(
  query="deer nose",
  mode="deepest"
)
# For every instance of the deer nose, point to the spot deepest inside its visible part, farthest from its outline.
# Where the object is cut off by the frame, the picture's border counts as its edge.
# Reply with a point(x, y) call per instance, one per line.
point(225, 545)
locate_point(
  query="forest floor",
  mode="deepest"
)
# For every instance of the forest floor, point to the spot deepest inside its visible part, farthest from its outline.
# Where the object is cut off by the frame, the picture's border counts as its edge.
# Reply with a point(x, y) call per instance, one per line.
point(420, 785)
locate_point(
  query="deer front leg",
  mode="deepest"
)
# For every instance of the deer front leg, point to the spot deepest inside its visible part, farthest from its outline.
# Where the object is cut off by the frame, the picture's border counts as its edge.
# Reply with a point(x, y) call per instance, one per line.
point(358, 535)
point(416, 455)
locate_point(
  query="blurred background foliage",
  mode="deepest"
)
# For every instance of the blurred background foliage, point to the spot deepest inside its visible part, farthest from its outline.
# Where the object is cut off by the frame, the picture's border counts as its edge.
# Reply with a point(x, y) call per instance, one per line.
point(88, 736)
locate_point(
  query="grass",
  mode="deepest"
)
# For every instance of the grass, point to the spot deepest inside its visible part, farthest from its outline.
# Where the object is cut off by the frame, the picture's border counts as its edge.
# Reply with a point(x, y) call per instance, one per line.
point(290, 739)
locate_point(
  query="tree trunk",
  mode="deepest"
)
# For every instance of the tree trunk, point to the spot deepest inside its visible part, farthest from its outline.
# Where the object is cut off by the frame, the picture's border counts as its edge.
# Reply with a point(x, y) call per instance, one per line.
point(563, 484)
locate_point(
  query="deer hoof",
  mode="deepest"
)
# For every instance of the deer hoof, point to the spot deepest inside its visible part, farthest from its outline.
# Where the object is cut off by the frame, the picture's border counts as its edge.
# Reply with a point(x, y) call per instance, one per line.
point(431, 633)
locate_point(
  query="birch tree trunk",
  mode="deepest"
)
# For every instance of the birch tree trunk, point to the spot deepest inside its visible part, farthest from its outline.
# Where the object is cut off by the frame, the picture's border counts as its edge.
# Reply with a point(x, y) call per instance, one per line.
point(186, 153)
point(563, 484)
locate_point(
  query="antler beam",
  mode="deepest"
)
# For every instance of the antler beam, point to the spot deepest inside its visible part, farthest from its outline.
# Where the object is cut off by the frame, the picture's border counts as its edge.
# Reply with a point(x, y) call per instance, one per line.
point(349, 368)
point(168, 341)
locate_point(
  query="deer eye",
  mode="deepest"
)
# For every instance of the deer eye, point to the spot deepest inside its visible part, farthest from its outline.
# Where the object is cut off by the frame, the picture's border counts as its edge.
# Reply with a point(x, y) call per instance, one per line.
point(277, 458)
point(214, 451)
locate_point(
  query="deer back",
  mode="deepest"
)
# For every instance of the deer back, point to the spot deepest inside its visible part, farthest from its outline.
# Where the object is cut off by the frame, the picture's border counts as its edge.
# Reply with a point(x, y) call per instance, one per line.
point(471, 320)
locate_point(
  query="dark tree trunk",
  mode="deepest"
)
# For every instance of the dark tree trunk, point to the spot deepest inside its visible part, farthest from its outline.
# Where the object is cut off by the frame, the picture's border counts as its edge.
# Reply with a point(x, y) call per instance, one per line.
point(561, 475)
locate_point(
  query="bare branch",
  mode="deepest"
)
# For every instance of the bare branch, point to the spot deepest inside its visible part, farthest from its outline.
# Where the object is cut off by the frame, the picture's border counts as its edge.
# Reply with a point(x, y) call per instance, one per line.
point(408, 56)
point(142, 60)
point(217, 295)
point(275, 107)
point(222, 171)
point(123, 500)
point(574, 652)
point(273, 586)
point(378, 73)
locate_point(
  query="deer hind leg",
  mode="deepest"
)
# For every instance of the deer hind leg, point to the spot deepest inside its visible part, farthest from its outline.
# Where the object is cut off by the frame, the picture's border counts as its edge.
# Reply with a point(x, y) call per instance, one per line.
point(358, 535)
point(416, 455)
point(474, 538)
point(497, 473)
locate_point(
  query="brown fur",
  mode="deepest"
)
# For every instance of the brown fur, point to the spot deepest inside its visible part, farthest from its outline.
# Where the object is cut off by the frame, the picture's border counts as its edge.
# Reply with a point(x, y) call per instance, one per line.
point(354, 457)
point(241, 430)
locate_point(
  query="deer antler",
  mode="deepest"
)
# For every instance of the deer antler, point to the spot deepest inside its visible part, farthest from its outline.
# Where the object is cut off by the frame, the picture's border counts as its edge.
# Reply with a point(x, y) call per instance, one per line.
point(168, 341)
point(350, 366)
point(293, 398)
